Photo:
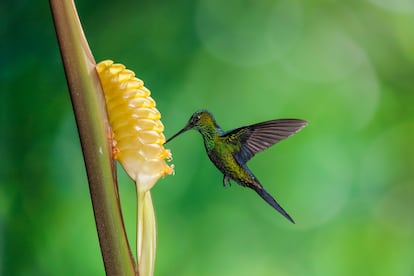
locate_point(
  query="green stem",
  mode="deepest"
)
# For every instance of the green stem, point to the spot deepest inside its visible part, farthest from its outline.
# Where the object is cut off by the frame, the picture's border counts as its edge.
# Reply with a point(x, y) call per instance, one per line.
point(91, 118)
point(150, 238)
point(146, 233)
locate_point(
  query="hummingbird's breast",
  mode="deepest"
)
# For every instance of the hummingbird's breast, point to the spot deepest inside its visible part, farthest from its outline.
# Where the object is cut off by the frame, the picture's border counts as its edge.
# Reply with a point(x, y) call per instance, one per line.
point(222, 157)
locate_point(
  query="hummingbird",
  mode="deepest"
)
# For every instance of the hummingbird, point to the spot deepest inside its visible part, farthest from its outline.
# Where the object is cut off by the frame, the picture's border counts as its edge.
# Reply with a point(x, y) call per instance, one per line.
point(229, 151)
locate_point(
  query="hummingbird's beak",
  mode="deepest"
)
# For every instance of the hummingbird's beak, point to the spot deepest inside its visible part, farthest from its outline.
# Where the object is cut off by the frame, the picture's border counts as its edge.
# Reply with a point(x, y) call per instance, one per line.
point(187, 127)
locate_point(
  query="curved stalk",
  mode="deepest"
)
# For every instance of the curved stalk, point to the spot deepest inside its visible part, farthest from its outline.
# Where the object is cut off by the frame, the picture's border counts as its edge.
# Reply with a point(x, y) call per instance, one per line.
point(91, 118)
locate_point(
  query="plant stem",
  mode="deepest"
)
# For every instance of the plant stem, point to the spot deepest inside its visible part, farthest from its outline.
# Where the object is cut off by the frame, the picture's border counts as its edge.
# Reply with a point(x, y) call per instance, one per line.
point(146, 233)
point(91, 118)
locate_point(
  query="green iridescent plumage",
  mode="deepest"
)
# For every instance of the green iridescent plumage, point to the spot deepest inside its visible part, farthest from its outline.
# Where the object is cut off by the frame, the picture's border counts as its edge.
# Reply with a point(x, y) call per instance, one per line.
point(230, 151)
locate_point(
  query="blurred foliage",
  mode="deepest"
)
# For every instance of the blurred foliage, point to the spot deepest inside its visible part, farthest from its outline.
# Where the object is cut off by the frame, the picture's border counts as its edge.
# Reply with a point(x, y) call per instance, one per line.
point(347, 179)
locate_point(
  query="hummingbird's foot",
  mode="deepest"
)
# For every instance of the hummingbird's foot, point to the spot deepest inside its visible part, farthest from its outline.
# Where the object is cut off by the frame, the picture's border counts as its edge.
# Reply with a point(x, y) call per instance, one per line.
point(226, 181)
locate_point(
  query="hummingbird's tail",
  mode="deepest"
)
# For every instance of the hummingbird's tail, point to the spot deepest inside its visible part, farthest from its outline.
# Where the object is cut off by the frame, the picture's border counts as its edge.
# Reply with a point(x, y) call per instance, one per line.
point(269, 199)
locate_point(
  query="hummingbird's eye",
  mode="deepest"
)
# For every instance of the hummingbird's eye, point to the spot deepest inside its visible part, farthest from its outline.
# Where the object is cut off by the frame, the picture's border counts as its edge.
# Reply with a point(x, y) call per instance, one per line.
point(195, 119)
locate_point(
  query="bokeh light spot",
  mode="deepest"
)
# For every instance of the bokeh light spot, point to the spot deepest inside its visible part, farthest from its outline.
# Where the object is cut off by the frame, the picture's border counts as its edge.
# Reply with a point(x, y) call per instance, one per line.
point(324, 54)
point(401, 6)
point(248, 32)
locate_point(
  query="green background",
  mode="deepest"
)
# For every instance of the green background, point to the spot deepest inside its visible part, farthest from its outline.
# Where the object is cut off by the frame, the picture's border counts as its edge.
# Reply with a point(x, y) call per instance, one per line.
point(347, 179)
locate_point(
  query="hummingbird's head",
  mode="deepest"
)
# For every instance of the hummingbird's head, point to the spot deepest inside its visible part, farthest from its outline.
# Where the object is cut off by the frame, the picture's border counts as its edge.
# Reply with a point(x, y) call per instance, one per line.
point(198, 121)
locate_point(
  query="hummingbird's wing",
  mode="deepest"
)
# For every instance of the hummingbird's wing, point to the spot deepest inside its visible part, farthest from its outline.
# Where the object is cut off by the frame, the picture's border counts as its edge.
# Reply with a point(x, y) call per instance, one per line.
point(258, 137)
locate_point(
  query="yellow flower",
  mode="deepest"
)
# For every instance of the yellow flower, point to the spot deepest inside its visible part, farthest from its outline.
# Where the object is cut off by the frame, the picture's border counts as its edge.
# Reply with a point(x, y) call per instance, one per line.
point(136, 125)
point(138, 145)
